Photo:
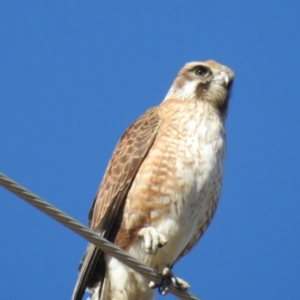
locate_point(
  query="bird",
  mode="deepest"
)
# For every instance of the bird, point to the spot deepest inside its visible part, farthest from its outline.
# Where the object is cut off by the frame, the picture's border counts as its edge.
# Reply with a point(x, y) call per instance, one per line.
point(162, 184)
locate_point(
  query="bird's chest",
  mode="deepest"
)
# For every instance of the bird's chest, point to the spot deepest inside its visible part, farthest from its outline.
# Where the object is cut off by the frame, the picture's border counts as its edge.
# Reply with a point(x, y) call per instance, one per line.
point(179, 182)
point(194, 154)
point(186, 180)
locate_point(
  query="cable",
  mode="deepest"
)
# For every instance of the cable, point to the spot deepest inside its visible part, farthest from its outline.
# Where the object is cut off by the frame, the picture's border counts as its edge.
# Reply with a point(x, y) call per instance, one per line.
point(89, 235)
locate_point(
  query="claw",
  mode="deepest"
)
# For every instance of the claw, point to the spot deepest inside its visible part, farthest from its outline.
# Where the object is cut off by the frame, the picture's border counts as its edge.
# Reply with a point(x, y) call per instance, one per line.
point(167, 280)
point(152, 239)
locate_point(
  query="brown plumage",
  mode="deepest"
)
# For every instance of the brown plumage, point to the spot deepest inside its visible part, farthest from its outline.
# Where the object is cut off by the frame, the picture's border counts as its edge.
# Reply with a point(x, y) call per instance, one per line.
point(162, 183)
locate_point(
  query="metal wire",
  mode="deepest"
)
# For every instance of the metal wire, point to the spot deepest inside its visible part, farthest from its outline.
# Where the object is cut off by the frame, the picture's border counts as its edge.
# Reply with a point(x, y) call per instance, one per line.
point(89, 235)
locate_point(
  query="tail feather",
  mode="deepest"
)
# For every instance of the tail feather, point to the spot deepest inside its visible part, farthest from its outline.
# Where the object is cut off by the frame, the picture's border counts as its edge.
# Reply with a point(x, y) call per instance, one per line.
point(100, 292)
point(91, 272)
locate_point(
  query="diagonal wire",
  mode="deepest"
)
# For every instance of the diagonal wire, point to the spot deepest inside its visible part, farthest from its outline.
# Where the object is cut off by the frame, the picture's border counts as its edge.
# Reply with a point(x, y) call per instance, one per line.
point(89, 235)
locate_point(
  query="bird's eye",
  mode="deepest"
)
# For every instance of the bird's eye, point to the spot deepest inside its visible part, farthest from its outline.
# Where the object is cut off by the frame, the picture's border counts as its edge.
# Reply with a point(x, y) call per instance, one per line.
point(202, 71)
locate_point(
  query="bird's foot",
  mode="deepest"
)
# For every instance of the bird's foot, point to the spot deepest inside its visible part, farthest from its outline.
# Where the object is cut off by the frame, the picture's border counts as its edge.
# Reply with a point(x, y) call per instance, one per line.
point(152, 239)
point(167, 280)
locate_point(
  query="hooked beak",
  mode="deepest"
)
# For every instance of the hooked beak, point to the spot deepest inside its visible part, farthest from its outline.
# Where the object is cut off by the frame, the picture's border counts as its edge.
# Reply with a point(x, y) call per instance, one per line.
point(222, 79)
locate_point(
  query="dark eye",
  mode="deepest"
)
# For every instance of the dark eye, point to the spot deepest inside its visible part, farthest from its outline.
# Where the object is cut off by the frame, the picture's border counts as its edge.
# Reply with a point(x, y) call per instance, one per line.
point(202, 71)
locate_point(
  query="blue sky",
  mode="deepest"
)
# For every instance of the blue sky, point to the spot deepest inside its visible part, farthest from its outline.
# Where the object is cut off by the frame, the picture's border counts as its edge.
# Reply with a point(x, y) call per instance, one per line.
point(75, 74)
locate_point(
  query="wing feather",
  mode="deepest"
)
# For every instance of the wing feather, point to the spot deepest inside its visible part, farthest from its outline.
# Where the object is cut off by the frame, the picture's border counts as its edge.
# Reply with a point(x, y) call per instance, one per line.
point(105, 215)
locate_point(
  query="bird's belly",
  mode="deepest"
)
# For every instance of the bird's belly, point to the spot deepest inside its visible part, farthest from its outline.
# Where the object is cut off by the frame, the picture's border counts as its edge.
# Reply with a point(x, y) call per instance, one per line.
point(191, 208)
point(179, 187)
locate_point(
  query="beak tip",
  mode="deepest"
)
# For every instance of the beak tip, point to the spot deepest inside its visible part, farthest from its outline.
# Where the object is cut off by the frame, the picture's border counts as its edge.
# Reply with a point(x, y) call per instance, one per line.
point(222, 78)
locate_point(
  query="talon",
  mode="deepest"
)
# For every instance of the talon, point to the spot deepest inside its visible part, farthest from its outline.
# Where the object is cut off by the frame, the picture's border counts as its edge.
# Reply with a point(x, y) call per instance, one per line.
point(152, 285)
point(164, 290)
point(162, 241)
point(167, 280)
point(180, 284)
point(166, 272)
point(152, 239)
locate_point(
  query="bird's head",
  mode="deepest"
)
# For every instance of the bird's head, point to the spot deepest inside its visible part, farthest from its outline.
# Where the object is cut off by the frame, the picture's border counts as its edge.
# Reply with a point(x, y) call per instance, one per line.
point(203, 81)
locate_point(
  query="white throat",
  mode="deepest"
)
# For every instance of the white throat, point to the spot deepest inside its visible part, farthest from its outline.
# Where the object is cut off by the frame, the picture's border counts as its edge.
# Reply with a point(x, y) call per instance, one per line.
point(187, 91)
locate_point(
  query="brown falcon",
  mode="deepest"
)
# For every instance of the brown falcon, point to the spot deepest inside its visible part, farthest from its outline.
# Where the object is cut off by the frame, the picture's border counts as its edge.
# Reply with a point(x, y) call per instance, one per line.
point(162, 184)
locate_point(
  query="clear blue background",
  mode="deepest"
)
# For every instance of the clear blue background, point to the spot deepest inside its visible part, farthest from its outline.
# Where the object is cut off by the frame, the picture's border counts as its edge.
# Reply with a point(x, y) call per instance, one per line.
point(75, 74)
